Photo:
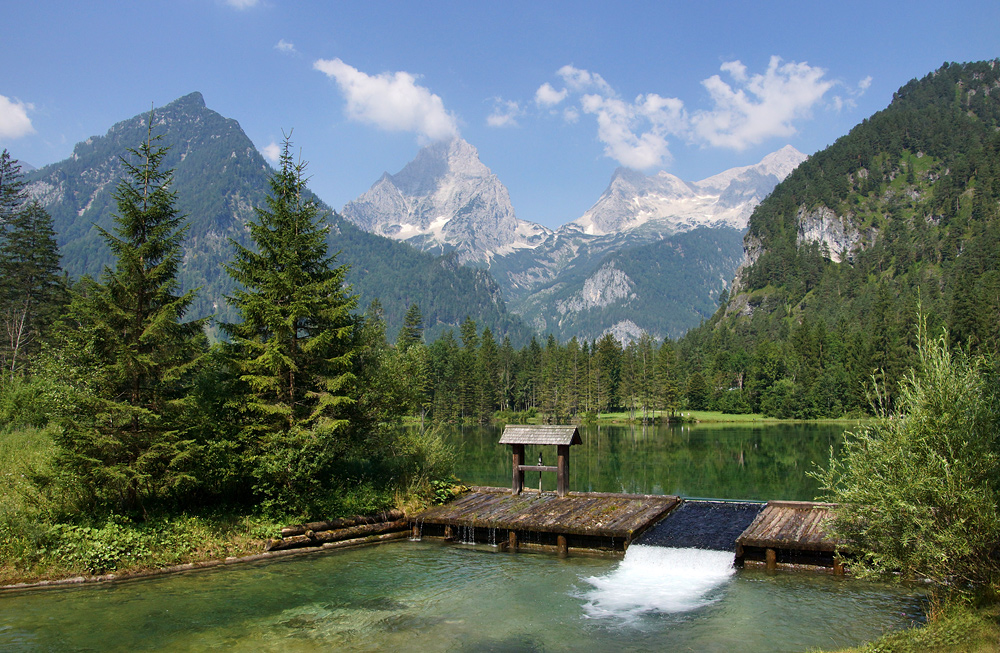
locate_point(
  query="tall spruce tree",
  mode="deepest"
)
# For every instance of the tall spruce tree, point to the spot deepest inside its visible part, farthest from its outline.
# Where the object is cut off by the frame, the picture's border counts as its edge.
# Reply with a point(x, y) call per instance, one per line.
point(412, 331)
point(11, 188)
point(128, 445)
point(31, 288)
point(292, 351)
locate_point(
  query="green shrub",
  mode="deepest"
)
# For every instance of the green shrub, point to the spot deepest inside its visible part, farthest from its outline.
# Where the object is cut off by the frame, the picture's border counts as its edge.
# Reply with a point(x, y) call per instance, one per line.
point(917, 490)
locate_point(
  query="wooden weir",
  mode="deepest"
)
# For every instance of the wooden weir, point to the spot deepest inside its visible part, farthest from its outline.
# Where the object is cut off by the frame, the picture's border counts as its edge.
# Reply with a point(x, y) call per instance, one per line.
point(790, 533)
point(784, 532)
point(591, 520)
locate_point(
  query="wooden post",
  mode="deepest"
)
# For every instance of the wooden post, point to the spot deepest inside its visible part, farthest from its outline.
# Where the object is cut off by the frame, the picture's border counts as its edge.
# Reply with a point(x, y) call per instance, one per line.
point(415, 531)
point(562, 546)
point(518, 481)
point(512, 541)
point(449, 533)
point(838, 566)
point(562, 475)
point(772, 559)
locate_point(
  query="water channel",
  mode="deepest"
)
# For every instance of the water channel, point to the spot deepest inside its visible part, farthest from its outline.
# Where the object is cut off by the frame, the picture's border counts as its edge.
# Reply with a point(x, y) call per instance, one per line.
point(436, 597)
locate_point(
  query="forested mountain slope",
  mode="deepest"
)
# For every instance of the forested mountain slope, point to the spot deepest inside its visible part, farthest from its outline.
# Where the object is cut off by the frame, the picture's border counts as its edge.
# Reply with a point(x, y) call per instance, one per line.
point(219, 177)
point(904, 211)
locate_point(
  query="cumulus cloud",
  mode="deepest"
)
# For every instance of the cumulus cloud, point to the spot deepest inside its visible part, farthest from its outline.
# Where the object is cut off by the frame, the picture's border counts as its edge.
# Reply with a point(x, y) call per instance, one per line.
point(390, 101)
point(285, 46)
point(14, 120)
point(505, 113)
point(635, 133)
point(757, 107)
point(547, 96)
point(745, 109)
point(272, 152)
point(583, 80)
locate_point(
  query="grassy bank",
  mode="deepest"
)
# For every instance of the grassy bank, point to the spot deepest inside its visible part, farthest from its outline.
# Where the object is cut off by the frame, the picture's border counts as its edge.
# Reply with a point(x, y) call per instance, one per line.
point(42, 538)
point(954, 628)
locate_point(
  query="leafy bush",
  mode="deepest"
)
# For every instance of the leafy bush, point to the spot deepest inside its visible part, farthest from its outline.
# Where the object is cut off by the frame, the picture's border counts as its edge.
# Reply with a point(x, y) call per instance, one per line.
point(918, 490)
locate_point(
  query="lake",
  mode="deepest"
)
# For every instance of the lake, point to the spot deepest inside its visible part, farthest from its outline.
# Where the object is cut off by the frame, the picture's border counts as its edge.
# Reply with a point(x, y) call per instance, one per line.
point(431, 596)
point(721, 461)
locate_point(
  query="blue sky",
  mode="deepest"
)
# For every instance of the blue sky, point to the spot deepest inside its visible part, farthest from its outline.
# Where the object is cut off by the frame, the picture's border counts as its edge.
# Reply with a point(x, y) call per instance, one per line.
point(555, 95)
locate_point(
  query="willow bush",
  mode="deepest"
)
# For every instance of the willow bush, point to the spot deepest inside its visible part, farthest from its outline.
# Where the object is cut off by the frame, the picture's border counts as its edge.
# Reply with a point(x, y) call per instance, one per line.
point(918, 489)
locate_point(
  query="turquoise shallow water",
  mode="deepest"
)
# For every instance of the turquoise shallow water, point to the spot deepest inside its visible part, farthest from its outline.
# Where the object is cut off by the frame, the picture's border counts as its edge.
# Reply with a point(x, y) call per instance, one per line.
point(434, 597)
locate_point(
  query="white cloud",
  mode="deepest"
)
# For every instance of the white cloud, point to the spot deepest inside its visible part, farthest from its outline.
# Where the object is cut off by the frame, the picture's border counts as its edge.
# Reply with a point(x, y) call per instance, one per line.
point(745, 110)
point(865, 83)
point(285, 46)
point(242, 4)
point(761, 106)
point(272, 152)
point(547, 96)
point(14, 120)
point(635, 133)
point(505, 113)
point(390, 101)
point(583, 80)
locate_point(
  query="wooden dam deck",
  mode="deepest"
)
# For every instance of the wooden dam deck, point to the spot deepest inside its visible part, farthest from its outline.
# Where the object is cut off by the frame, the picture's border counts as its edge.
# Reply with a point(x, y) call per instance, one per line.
point(584, 519)
point(786, 533)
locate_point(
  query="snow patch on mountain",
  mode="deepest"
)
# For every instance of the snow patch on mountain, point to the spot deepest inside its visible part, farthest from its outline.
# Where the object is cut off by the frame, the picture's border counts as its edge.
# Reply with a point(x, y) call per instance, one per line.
point(666, 202)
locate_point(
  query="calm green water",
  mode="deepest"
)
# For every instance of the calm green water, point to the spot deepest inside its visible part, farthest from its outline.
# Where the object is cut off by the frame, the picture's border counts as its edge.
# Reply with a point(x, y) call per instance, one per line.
point(435, 597)
point(708, 461)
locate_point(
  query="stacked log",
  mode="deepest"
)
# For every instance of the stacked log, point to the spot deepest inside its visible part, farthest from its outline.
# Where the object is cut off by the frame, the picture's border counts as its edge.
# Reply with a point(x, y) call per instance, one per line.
point(336, 530)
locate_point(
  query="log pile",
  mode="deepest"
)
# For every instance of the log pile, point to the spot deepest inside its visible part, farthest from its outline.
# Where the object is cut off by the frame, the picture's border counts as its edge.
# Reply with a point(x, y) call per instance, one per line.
point(319, 533)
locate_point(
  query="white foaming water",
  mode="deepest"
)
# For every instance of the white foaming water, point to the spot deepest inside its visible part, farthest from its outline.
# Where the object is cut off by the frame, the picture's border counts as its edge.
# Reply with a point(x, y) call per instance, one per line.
point(658, 579)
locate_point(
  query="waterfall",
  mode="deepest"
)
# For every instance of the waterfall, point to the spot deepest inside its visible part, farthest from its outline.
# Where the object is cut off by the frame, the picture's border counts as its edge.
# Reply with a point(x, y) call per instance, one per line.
point(653, 579)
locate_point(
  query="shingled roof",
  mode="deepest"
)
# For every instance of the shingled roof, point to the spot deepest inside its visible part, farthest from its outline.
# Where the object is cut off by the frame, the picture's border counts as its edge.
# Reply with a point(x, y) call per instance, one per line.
point(522, 434)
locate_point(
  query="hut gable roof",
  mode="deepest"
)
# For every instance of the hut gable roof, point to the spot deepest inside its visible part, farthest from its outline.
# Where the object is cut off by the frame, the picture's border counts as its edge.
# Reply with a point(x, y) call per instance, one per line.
point(521, 434)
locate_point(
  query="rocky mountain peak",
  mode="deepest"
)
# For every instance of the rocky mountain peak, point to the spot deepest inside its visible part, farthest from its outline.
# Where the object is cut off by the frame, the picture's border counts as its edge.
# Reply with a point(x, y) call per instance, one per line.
point(445, 199)
point(667, 204)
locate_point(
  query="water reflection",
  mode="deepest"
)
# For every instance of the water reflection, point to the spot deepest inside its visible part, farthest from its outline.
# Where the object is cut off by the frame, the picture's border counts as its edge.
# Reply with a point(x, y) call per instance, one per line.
point(712, 461)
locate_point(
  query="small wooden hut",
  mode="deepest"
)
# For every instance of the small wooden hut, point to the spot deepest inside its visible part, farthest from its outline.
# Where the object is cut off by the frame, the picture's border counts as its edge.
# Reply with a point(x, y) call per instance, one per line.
point(518, 435)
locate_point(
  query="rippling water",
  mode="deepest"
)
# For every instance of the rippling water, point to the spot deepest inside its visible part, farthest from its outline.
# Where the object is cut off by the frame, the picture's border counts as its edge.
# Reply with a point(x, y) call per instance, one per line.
point(434, 597)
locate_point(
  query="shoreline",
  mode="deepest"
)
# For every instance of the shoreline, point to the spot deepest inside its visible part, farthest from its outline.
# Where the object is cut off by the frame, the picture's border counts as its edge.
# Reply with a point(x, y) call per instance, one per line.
point(119, 577)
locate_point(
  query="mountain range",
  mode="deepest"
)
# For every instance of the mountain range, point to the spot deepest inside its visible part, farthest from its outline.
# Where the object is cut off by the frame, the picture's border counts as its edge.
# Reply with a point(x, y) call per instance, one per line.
point(632, 262)
point(219, 178)
point(653, 254)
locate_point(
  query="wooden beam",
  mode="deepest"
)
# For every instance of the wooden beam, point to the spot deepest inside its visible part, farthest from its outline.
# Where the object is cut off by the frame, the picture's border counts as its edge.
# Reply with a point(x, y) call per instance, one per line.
point(772, 559)
point(562, 546)
point(538, 468)
point(517, 484)
point(562, 469)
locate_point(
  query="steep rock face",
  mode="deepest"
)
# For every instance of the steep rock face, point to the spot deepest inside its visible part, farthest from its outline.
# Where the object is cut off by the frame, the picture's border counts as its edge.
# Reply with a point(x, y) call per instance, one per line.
point(445, 199)
point(603, 288)
point(838, 237)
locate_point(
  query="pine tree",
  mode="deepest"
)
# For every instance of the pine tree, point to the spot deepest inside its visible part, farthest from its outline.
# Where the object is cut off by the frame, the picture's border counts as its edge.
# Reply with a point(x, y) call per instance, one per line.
point(412, 331)
point(11, 188)
point(129, 446)
point(31, 289)
point(292, 351)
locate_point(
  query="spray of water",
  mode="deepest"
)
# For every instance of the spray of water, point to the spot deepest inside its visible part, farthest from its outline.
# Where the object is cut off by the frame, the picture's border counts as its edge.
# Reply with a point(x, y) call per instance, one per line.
point(653, 579)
